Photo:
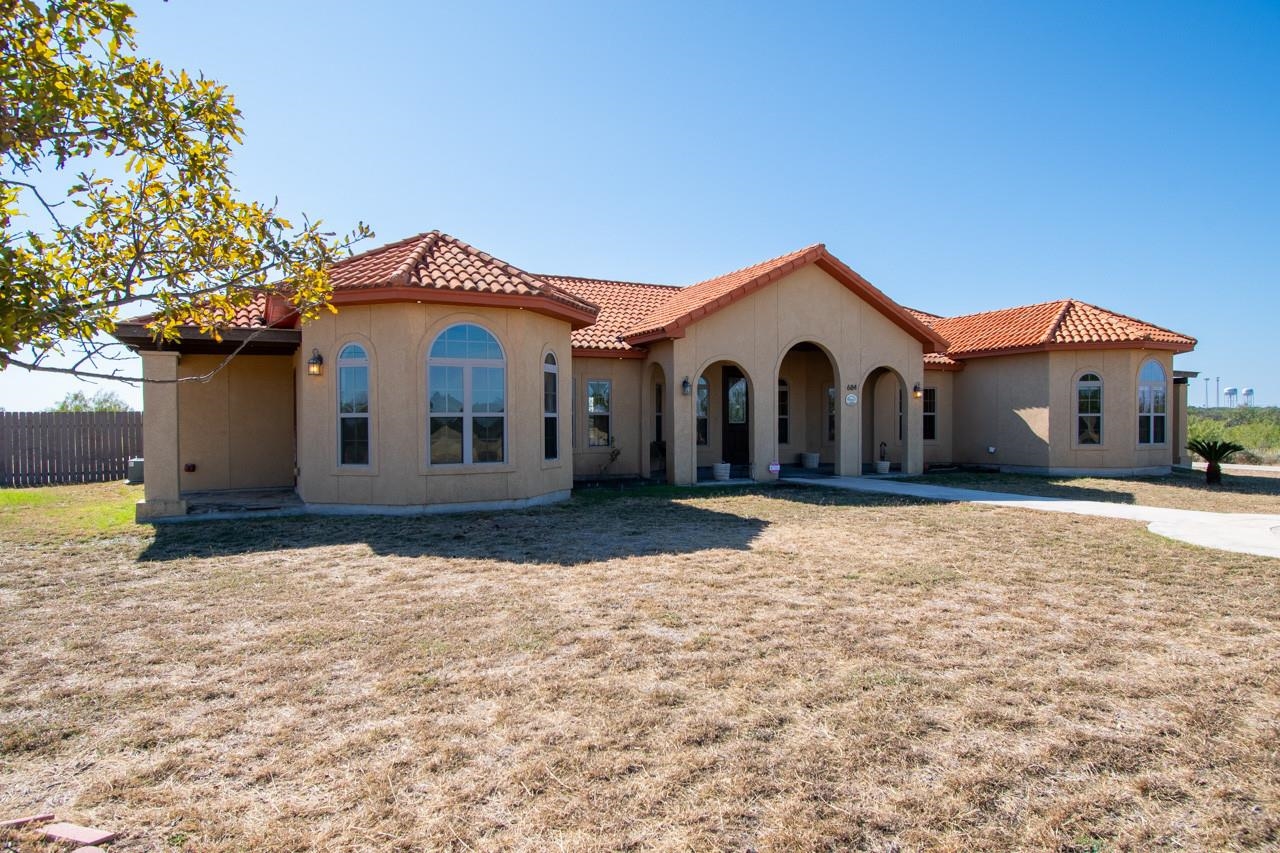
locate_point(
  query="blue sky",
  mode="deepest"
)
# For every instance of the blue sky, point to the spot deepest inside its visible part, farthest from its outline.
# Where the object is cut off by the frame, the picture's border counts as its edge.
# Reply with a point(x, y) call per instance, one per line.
point(962, 157)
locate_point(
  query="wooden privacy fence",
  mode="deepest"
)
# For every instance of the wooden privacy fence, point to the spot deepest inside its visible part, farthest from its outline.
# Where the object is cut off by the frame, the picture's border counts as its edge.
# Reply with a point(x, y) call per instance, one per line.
point(37, 448)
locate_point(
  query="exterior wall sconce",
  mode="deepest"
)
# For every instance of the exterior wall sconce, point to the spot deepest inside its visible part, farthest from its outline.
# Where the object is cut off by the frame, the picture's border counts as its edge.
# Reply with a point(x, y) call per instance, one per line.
point(917, 391)
point(315, 364)
point(685, 388)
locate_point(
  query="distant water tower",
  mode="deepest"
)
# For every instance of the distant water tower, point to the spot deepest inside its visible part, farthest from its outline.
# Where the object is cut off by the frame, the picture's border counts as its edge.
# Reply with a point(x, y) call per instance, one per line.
point(1248, 396)
point(1232, 394)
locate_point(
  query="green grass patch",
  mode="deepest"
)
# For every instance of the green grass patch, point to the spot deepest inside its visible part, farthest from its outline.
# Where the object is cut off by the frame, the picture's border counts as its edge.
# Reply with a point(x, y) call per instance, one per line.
point(59, 513)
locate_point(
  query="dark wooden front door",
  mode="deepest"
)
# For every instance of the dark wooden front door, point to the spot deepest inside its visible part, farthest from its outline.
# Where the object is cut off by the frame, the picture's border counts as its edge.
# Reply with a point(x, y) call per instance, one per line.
point(736, 438)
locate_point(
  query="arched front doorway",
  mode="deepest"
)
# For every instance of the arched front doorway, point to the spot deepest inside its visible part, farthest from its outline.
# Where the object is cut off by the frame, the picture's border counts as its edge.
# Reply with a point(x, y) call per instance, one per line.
point(658, 429)
point(884, 420)
point(808, 411)
point(722, 408)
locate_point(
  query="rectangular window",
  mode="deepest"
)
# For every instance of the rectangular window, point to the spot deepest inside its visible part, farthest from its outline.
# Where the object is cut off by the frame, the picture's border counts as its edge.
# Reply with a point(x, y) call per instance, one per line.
point(831, 413)
point(1088, 414)
point(657, 413)
point(1151, 415)
point(737, 401)
point(353, 415)
point(599, 393)
point(784, 412)
point(550, 414)
point(930, 414)
point(704, 412)
point(902, 416)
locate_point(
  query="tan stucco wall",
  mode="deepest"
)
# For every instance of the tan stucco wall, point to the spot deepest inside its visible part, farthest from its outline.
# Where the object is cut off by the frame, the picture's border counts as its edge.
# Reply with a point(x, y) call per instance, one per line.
point(1119, 372)
point(397, 337)
point(1024, 406)
point(625, 420)
point(237, 427)
point(939, 451)
point(758, 330)
point(1002, 402)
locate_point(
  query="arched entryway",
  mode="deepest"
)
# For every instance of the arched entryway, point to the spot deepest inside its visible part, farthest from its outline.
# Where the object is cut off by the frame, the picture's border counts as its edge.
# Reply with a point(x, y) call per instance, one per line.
point(722, 406)
point(807, 427)
point(884, 421)
point(658, 428)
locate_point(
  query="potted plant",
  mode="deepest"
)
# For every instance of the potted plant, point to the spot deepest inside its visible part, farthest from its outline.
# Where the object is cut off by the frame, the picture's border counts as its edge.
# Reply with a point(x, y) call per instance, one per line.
point(882, 464)
point(1214, 452)
point(720, 471)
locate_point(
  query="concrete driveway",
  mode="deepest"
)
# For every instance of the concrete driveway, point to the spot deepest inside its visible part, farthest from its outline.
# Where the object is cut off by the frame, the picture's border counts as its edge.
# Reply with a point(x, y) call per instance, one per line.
point(1242, 533)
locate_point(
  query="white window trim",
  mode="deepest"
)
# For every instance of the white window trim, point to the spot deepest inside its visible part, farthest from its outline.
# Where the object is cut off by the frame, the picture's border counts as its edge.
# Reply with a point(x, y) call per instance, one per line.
point(608, 414)
point(367, 364)
point(1076, 414)
point(1142, 385)
point(552, 367)
point(467, 414)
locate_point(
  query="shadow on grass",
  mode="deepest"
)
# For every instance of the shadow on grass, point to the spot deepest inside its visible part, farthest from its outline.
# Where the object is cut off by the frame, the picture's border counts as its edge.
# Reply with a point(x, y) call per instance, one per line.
point(590, 528)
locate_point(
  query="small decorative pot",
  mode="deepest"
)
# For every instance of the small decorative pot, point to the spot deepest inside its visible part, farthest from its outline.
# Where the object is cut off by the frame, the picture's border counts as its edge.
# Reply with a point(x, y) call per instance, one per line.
point(882, 466)
point(720, 470)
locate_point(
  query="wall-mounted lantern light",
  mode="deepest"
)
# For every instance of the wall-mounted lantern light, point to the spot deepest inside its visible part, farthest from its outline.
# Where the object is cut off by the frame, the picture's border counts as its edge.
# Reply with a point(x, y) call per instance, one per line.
point(685, 388)
point(917, 391)
point(315, 364)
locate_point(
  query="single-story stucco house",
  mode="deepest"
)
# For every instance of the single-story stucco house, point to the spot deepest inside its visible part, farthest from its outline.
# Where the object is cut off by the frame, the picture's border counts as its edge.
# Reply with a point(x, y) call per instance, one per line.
point(450, 379)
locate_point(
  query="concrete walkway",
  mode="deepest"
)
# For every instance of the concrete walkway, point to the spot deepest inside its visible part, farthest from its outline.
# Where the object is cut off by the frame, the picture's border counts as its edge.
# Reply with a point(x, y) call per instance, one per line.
point(1244, 534)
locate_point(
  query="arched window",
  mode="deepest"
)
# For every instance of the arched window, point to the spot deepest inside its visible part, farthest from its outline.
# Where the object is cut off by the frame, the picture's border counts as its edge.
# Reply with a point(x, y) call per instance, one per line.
point(1089, 409)
point(550, 409)
point(466, 398)
point(1152, 403)
point(353, 405)
point(704, 411)
point(784, 414)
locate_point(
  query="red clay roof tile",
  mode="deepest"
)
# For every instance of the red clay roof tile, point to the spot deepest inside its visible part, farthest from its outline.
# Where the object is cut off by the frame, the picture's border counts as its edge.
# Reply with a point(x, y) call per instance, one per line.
point(437, 261)
point(1062, 323)
point(622, 305)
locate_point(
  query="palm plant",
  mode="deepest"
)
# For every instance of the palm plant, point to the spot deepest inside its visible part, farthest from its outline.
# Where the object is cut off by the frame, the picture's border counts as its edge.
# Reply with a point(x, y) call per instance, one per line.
point(1213, 451)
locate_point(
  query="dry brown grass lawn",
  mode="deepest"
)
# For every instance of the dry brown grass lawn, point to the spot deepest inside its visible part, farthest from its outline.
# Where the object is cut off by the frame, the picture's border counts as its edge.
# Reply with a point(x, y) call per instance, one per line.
point(786, 669)
point(1249, 493)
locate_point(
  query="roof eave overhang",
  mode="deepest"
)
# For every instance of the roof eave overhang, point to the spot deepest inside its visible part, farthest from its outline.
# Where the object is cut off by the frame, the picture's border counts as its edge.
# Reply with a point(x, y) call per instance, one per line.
point(950, 368)
point(578, 318)
point(256, 340)
point(605, 352)
point(1163, 346)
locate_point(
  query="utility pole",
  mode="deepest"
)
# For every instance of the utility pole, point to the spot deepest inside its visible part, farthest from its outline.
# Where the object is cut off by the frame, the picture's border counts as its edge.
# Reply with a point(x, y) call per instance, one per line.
point(1217, 392)
point(1206, 392)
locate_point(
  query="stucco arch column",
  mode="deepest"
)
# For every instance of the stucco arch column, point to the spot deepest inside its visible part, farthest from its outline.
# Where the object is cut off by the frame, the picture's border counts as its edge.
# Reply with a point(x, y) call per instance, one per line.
point(764, 424)
point(682, 458)
point(160, 437)
point(849, 420)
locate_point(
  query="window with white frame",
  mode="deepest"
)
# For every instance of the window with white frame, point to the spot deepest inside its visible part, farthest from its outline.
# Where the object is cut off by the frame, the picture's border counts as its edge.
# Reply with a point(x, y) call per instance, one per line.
point(1152, 403)
point(466, 398)
point(353, 405)
point(930, 407)
point(550, 409)
point(1089, 409)
point(599, 412)
point(704, 411)
point(784, 412)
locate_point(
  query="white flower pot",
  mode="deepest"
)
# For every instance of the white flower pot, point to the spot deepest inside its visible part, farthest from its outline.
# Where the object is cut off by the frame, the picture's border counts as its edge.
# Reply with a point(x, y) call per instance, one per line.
point(809, 460)
point(882, 466)
point(720, 470)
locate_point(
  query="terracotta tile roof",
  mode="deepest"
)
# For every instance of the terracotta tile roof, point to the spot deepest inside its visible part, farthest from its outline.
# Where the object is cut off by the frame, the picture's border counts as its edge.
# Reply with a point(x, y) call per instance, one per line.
point(696, 301)
point(434, 261)
point(937, 360)
point(262, 310)
point(622, 305)
point(700, 299)
point(923, 316)
point(1061, 324)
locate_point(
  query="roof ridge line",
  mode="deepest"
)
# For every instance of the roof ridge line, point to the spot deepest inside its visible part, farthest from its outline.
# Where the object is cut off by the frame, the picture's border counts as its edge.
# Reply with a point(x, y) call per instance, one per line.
point(1057, 321)
point(586, 278)
point(419, 254)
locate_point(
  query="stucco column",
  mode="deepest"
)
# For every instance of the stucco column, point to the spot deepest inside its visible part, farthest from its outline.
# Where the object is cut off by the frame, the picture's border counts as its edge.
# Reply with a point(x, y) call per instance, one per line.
point(1180, 454)
point(915, 418)
point(681, 454)
point(160, 437)
point(764, 426)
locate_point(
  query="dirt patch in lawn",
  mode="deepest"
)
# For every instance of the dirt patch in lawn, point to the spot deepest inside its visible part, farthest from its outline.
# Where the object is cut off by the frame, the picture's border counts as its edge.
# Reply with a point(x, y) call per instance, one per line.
point(1245, 493)
point(781, 669)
